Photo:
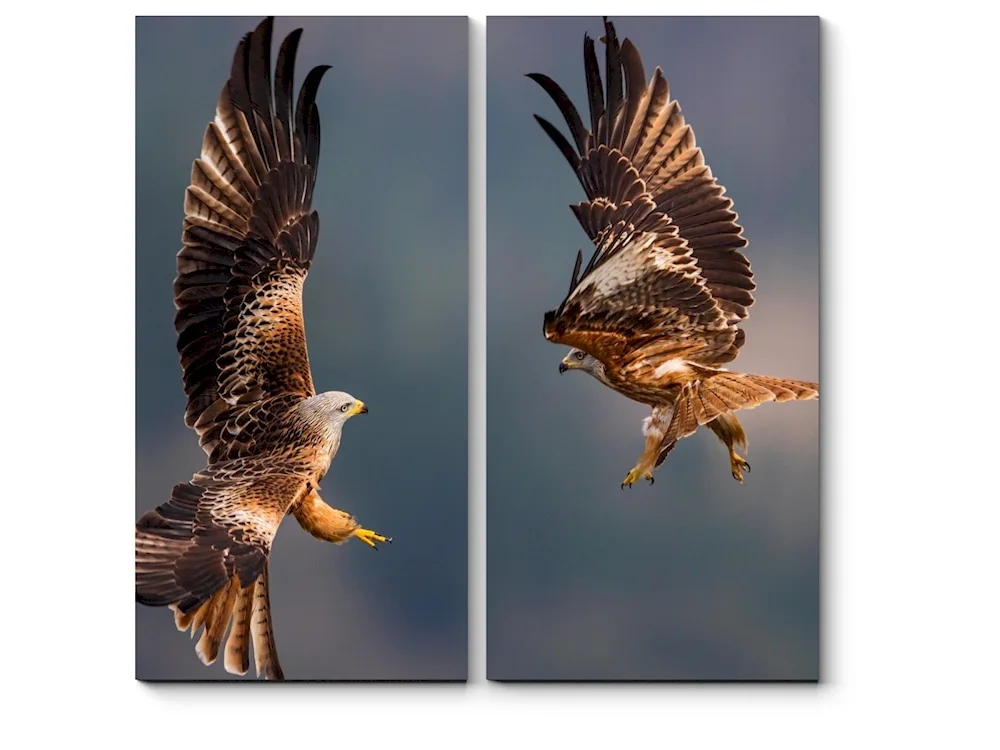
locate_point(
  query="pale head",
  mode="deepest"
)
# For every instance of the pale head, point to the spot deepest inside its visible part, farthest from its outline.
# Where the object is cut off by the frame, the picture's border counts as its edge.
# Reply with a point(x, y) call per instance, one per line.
point(577, 359)
point(331, 409)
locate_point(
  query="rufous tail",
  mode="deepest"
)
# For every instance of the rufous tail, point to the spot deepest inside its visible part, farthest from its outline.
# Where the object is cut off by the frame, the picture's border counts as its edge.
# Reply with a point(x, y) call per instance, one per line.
point(248, 610)
point(731, 391)
point(265, 652)
point(719, 392)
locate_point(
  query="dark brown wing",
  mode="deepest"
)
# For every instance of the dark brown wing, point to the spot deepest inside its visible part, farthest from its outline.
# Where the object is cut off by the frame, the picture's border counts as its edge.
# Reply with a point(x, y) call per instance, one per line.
point(249, 237)
point(642, 171)
point(217, 526)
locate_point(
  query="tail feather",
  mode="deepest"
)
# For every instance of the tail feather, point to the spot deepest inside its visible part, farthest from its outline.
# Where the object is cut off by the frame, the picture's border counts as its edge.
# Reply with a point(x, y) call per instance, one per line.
point(181, 619)
point(234, 605)
point(220, 611)
point(785, 389)
point(237, 657)
point(265, 651)
point(723, 392)
point(743, 391)
point(715, 401)
point(231, 604)
point(200, 616)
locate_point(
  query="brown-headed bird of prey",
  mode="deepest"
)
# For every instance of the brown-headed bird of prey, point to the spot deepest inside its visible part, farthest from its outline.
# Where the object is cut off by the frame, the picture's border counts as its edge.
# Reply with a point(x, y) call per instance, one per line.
point(655, 313)
point(249, 237)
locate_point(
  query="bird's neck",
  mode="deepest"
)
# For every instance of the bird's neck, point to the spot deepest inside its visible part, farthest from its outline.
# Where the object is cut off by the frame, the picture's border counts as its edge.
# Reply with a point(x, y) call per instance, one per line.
point(600, 374)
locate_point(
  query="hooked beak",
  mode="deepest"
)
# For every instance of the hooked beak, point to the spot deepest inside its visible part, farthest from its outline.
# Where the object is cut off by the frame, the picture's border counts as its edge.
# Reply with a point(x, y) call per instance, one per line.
point(358, 408)
point(563, 367)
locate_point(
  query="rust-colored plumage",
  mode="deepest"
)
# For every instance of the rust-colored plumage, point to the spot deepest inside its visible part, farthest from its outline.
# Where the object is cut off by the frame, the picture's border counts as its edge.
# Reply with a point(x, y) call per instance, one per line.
point(249, 236)
point(656, 311)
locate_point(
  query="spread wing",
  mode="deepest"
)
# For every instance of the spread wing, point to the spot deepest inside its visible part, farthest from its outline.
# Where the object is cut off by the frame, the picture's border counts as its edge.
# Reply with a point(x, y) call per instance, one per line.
point(249, 237)
point(667, 277)
point(216, 527)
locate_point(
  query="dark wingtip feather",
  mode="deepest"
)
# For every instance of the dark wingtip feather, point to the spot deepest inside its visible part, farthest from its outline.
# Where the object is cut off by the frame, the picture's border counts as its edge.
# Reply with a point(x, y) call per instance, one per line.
point(613, 79)
point(313, 139)
point(238, 74)
point(284, 83)
point(580, 134)
point(595, 90)
point(259, 87)
point(306, 102)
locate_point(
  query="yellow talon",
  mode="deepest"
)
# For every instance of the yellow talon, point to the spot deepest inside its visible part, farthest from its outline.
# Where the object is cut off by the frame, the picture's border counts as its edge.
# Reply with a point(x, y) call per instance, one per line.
point(371, 538)
point(738, 465)
point(635, 475)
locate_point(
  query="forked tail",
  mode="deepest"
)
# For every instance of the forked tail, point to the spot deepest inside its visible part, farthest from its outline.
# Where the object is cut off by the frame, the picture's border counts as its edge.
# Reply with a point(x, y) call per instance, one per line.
point(719, 392)
point(246, 613)
point(731, 391)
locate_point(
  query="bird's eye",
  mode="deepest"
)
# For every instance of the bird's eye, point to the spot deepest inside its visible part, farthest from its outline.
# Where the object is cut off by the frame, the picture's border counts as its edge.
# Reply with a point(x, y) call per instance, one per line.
point(579, 355)
point(345, 407)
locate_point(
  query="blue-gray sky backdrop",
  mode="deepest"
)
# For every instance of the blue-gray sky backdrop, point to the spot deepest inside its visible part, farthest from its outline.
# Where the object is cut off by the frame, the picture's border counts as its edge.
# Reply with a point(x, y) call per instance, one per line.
point(695, 577)
point(386, 318)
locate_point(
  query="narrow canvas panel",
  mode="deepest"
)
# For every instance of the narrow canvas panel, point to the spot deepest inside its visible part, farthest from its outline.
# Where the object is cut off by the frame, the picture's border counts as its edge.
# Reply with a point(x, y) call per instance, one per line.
point(619, 550)
point(384, 309)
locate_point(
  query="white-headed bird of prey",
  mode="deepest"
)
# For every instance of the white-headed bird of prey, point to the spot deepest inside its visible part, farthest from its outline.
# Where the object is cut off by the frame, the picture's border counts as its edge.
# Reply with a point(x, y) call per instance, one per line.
point(249, 237)
point(655, 313)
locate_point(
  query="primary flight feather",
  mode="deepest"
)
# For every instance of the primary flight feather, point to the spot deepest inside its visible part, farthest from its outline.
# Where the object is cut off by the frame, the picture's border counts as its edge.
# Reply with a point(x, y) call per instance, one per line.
point(655, 313)
point(249, 236)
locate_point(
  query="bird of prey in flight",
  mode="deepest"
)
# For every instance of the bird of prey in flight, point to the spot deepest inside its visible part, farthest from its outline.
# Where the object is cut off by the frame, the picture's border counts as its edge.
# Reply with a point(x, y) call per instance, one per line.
point(656, 312)
point(249, 237)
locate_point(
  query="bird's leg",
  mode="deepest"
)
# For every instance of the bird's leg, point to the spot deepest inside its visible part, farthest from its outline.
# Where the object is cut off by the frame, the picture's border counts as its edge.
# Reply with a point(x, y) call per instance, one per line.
point(655, 428)
point(332, 525)
point(647, 462)
point(729, 430)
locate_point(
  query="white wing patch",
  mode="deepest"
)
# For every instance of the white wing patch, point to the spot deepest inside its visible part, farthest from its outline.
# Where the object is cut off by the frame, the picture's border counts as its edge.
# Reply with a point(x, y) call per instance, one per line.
point(671, 365)
point(622, 270)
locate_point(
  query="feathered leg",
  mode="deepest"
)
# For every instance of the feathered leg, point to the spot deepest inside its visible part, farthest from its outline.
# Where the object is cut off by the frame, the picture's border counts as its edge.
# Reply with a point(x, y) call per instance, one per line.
point(332, 525)
point(654, 427)
point(714, 401)
point(729, 430)
point(711, 400)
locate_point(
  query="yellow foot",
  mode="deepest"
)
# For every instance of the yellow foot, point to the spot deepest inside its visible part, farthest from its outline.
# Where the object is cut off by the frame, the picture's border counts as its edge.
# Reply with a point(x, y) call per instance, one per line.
point(738, 464)
point(635, 475)
point(370, 538)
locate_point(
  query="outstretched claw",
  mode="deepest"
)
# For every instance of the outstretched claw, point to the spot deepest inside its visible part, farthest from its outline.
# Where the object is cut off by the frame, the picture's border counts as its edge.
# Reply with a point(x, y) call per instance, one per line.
point(635, 475)
point(738, 465)
point(371, 538)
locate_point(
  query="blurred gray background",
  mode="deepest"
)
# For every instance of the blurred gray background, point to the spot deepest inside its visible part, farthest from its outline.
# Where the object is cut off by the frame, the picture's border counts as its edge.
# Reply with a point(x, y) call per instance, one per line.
point(696, 576)
point(386, 309)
